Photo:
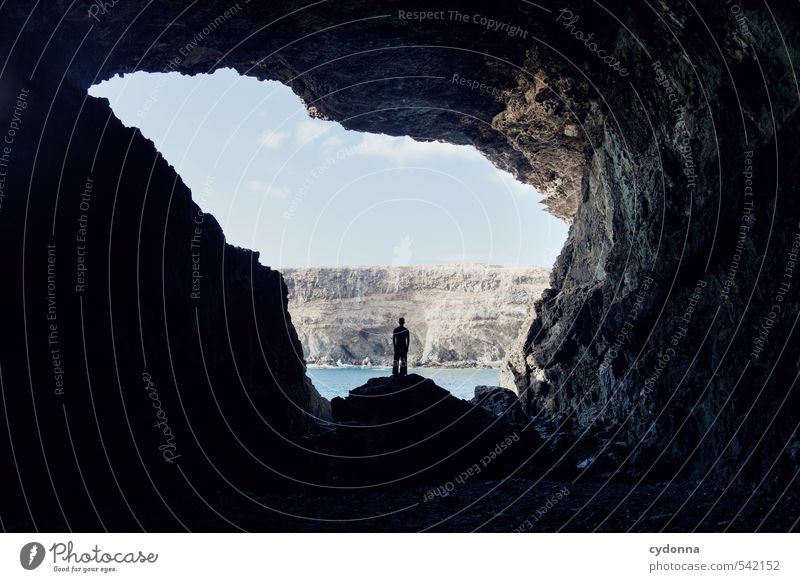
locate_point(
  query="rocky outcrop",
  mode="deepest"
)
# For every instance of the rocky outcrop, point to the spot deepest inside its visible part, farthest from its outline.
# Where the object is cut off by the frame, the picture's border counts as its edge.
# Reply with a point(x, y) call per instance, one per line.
point(407, 429)
point(458, 315)
point(669, 322)
point(500, 402)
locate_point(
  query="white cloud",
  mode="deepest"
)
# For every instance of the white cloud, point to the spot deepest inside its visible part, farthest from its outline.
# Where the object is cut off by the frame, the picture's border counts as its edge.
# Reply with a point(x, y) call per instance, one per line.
point(309, 130)
point(272, 139)
point(332, 142)
point(268, 190)
point(404, 150)
point(402, 252)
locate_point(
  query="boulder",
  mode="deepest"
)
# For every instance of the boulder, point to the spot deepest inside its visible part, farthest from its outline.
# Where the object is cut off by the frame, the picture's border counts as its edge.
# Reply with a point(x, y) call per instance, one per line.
point(500, 402)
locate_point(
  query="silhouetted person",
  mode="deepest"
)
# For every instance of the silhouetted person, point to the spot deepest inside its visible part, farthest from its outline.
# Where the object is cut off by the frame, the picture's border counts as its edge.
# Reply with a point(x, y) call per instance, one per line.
point(400, 340)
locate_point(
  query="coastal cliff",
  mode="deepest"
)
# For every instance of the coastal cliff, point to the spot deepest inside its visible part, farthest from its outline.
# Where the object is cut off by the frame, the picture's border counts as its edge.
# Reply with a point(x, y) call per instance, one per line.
point(458, 315)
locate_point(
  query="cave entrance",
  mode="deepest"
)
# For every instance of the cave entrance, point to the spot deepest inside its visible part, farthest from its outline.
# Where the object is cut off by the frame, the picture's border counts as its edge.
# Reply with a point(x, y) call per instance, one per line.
point(364, 227)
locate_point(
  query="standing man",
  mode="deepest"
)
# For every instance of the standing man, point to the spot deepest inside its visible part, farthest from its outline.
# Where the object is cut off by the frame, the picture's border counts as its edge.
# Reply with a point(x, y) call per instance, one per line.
point(400, 340)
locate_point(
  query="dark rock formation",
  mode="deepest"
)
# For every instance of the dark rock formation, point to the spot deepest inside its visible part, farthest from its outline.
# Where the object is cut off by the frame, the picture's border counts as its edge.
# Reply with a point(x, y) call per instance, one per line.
point(407, 429)
point(500, 402)
point(670, 321)
point(140, 353)
point(671, 317)
point(573, 453)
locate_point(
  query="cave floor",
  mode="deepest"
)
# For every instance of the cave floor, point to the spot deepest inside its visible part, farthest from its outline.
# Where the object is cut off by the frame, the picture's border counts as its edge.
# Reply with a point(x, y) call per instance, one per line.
point(486, 506)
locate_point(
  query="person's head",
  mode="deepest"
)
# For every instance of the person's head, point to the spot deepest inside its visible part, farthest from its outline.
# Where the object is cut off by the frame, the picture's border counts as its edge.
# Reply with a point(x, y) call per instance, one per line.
point(402, 320)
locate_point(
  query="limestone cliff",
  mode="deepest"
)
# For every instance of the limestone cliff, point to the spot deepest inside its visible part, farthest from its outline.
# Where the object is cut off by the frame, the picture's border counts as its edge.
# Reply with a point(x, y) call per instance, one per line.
point(458, 315)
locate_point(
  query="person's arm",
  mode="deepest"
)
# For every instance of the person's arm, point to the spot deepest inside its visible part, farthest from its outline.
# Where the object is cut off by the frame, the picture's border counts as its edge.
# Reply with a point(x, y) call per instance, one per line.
point(408, 339)
point(394, 339)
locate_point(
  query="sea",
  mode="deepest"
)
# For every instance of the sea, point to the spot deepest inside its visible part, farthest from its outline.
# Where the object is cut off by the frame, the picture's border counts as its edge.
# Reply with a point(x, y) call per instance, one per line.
point(461, 382)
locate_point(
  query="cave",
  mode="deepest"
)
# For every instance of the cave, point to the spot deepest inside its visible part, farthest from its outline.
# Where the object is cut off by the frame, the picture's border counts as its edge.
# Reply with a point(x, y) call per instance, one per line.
point(663, 355)
point(364, 228)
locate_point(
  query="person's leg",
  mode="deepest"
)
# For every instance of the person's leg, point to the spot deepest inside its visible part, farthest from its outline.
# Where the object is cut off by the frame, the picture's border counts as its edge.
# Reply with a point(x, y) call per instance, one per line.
point(394, 365)
point(404, 364)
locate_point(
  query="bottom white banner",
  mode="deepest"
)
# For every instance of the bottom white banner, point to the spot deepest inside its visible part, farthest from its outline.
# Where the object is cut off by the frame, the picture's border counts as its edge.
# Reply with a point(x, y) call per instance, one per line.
point(379, 557)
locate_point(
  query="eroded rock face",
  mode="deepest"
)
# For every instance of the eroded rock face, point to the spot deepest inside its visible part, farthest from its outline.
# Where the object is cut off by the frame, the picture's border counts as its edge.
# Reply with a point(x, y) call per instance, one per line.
point(655, 168)
point(458, 315)
point(670, 307)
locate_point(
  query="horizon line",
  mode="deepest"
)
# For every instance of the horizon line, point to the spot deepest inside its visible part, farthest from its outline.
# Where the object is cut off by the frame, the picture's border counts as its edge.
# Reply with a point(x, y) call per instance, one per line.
point(424, 265)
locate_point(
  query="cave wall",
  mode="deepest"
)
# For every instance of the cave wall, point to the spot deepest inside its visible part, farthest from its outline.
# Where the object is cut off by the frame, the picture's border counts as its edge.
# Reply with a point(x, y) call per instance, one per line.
point(655, 196)
point(142, 356)
point(671, 317)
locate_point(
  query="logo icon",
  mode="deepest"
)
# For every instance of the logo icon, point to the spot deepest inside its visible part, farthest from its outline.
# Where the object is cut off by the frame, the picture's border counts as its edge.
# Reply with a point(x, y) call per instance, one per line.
point(31, 555)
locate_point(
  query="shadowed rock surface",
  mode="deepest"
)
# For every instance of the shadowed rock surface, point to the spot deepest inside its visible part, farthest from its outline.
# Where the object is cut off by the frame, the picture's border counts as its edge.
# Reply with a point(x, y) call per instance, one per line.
point(409, 429)
point(500, 402)
point(126, 375)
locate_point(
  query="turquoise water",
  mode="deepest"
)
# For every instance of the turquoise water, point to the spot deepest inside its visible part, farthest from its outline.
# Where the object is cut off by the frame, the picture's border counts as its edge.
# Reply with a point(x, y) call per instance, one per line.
point(460, 382)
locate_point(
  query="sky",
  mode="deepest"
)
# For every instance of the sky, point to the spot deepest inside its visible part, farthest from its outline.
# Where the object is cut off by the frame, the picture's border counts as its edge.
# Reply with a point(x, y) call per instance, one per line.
point(306, 192)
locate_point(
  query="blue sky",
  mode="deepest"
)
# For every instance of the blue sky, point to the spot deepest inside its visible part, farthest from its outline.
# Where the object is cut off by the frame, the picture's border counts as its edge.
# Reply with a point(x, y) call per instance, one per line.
point(307, 192)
